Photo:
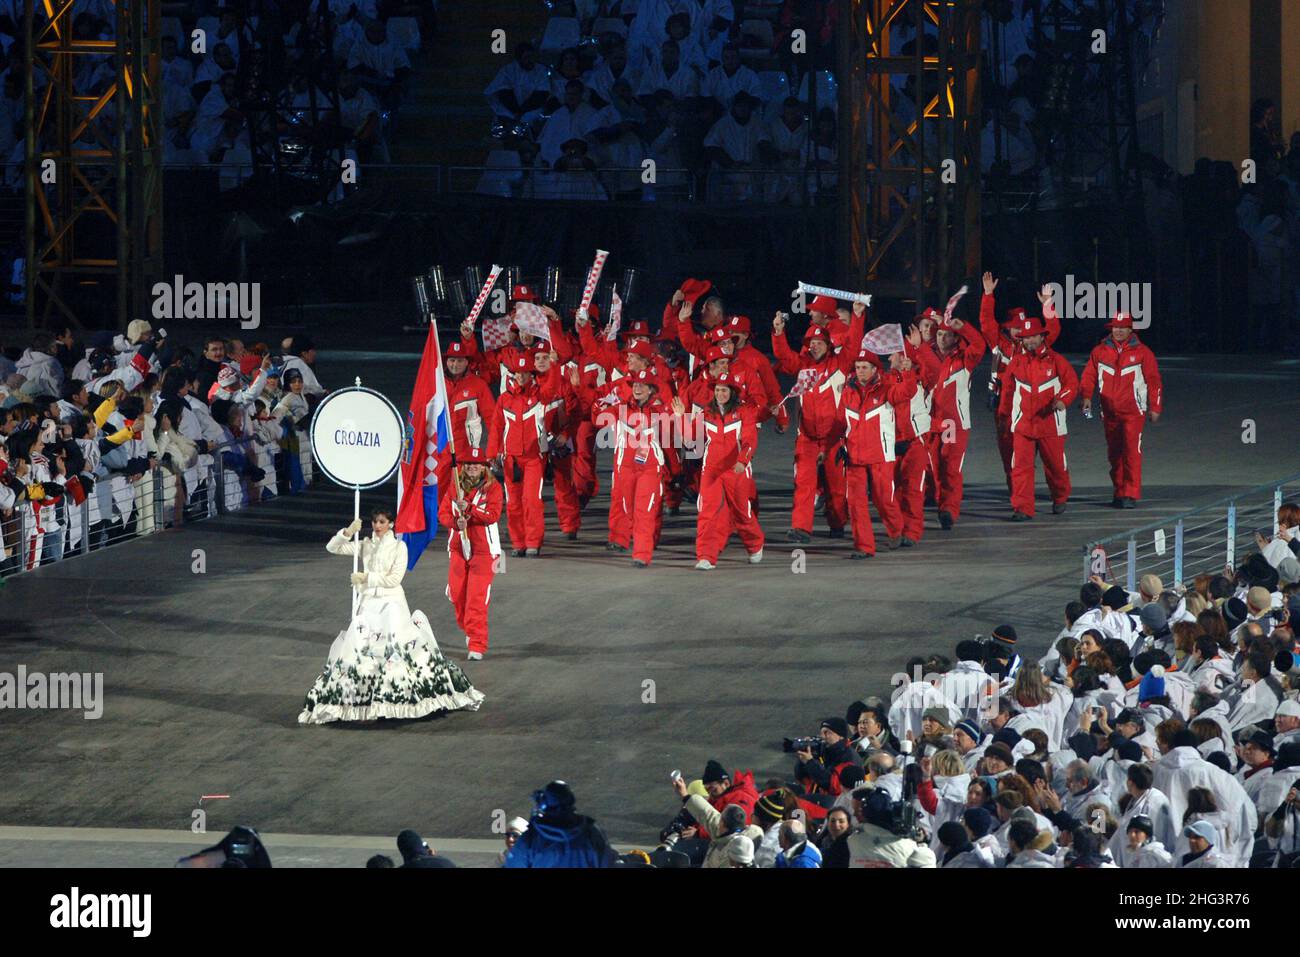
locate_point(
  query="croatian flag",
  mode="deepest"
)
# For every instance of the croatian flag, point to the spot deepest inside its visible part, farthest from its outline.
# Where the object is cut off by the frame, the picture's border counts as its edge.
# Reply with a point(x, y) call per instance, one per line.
point(428, 434)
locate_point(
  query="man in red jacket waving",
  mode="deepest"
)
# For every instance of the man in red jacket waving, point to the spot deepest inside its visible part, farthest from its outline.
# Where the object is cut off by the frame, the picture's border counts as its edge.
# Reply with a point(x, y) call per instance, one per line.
point(1037, 387)
point(1124, 370)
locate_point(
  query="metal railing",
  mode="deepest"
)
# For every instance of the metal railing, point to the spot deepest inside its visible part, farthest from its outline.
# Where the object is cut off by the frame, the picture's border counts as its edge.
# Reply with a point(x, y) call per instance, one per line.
point(120, 509)
point(1205, 539)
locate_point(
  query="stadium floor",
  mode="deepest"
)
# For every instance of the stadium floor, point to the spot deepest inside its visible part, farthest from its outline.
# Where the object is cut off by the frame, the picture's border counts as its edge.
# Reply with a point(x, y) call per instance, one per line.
point(204, 674)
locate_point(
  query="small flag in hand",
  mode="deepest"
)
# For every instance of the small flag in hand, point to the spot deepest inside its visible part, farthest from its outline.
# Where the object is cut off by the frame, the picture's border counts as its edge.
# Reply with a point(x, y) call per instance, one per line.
point(804, 383)
point(496, 332)
point(531, 320)
point(952, 305)
point(615, 317)
point(884, 340)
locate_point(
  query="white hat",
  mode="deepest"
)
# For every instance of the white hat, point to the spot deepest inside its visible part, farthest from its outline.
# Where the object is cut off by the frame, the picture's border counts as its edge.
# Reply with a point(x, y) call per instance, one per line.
point(136, 329)
point(740, 850)
point(1289, 708)
point(227, 377)
point(516, 824)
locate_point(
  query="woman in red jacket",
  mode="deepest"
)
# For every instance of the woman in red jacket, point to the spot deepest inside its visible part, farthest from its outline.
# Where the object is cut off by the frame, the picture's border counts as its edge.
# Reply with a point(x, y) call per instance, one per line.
point(725, 503)
point(473, 546)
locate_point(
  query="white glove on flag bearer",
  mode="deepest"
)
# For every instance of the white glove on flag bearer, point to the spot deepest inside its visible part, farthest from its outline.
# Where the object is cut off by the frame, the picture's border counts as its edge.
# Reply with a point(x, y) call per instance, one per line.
point(884, 340)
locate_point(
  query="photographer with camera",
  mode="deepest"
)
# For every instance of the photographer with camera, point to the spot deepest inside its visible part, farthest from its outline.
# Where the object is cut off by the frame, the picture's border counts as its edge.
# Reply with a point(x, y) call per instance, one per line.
point(885, 838)
point(821, 759)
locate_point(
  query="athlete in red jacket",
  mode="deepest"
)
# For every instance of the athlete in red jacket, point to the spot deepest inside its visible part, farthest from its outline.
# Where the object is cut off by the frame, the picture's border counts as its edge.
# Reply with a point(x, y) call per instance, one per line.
point(911, 427)
point(643, 461)
point(1037, 388)
point(471, 406)
point(1002, 342)
point(472, 517)
point(820, 430)
point(520, 438)
point(726, 481)
point(959, 347)
point(1125, 372)
point(561, 424)
point(867, 407)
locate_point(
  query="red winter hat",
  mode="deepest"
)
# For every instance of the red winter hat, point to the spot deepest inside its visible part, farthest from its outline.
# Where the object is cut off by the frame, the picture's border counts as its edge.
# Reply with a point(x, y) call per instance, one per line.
point(540, 345)
point(823, 304)
point(718, 334)
point(521, 362)
point(1122, 320)
point(455, 348)
point(645, 376)
point(714, 353)
point(693, 289)
point(728, 380)
point(739, 325)
point(639, 347)
point(249, 363)
point(1015, 315)
point(471, 454)
point(637, 327)
point(931, 313)
point(866, 355)
point(1031, 326)
point(522, 293)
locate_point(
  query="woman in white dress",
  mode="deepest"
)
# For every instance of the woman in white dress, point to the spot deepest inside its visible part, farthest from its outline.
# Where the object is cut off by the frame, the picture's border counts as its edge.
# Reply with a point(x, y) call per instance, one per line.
point(386, 664)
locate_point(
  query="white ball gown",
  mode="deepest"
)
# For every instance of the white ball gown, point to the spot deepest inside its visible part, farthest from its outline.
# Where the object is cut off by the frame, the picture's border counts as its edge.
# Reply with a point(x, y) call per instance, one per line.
point(386, 663)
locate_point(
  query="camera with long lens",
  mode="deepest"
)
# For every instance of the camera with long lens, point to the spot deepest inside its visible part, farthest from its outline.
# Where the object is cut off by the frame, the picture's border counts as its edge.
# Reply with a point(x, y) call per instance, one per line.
point(815, 745)
point(671, 834)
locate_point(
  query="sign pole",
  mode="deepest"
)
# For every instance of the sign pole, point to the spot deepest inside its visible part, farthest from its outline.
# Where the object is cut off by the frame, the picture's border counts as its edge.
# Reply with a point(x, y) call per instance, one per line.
point(356, 555)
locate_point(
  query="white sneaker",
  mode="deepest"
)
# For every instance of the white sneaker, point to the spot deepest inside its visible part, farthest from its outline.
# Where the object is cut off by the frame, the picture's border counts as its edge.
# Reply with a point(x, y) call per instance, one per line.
point(704, 565)
point(756, 557)
point(475, 656)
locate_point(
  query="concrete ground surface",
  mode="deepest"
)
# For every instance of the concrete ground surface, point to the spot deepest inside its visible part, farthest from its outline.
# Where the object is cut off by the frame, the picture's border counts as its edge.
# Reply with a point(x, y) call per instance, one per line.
point(598, 673)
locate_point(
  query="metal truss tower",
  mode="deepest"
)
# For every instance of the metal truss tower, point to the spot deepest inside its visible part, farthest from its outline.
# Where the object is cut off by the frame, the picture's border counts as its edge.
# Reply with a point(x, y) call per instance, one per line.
point(909, 159)
point(93, 163)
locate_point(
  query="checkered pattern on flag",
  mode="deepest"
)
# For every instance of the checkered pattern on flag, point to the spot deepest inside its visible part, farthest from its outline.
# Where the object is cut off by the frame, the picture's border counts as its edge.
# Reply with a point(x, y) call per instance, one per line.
point(428, 435)
point(884, 340)
point(496, 332)
point(530, 319)
point(804, 383)
point(615, 317)
point(952, 304)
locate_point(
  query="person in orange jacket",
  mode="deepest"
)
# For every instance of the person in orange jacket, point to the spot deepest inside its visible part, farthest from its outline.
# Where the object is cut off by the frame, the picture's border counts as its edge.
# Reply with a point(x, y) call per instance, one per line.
point(959, 347)
point(867, 411)
point(1003, 345)
point(1037, 388)
point(820, 432)
point(1124, 370)
point(519, 438)
point(473, 546)
point(643, 460)
point(726, 479)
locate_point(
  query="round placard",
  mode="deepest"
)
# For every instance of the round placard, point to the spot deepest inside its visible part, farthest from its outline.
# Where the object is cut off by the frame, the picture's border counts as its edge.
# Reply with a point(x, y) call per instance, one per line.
point(356, 437)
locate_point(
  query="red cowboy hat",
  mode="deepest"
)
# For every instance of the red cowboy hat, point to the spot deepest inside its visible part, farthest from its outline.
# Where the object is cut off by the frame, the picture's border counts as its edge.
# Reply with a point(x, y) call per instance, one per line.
point(521, 362)
point(718, 335)
point(1031, 326)
point(739, 325)
point(1015, 315)
point(816, 332)
point(455, 348)
point(471, 455)
point(1122, 320)
point(693, 289)
point(639, 347)
point(522, 293)
point(644, 376)
point(713, 353)
point(637, 327)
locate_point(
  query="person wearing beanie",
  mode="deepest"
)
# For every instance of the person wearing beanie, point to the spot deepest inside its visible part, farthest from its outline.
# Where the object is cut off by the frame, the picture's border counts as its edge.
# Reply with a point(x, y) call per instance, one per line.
point(724, 789)
point(1259, 607)
point(740, 852)
point(819, 773)
point(301, 358)
point(1152, 685)
point(769, 812)
point(1286, 723)
point(558, 836)
point(1139, 849)
point(1234, 612)
point(998, 760)
point(971, 743)
point(1000, 657)
point(935, 724)
point(416, 853)
point(1255, 750)
point(1118, 621)
point(515, 828)
point(1156, 634)
point(956, 849)
point(1203, 843)
point(1150, 588)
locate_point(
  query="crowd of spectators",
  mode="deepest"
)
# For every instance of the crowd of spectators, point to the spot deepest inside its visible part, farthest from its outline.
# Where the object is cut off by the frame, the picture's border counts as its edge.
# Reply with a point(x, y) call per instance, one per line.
point(124, 435)
point(709, 91)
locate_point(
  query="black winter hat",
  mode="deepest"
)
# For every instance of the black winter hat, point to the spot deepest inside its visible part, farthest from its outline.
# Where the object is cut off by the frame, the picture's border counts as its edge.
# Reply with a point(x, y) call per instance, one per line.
point(1234, 612)
point(1114, 597)
point(837, 725)
point(1005, 634)
point(714, 771)
point(1140, 822)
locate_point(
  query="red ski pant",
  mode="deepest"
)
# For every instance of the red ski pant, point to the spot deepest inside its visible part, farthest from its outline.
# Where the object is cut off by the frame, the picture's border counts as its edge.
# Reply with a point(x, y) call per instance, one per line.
point(620, 522)
point(806, 471)
point(947, 459)
point(1051, 449)
point(641, 490)
point(1005, 444)
point(567, 507)
point(525, 511)
point(469, 586)
point(909, 487)
point(1124, 450)
point(881, 480)
point(724, 505)
point(585, 482)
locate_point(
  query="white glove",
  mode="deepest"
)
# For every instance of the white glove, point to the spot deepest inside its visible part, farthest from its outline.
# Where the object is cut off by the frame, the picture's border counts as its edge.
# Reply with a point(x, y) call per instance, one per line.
point(358, 579)
point(352, 529)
